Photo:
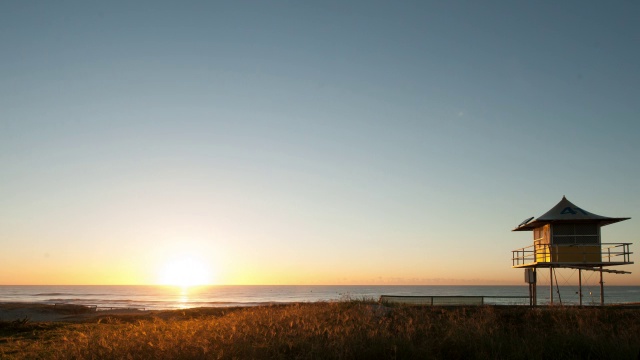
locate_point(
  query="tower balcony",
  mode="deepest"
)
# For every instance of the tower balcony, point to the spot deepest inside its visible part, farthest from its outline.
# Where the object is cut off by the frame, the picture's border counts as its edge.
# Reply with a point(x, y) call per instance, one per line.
point(574, 255)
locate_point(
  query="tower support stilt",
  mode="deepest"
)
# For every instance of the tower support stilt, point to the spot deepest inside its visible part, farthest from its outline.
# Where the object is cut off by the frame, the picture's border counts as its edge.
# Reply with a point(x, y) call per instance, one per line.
point(551, 286)
point(580, 286)
point(601, 288)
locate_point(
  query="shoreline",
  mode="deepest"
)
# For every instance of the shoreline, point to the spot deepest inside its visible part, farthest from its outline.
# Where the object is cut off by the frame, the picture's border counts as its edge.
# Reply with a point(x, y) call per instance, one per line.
point(163, 298)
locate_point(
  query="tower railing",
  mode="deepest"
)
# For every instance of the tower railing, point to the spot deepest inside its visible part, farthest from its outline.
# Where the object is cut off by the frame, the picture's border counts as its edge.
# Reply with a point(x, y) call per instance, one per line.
point(604, 253)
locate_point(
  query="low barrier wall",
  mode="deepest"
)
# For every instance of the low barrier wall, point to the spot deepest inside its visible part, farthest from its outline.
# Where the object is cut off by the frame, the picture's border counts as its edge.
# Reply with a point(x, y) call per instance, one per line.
point(453, 300)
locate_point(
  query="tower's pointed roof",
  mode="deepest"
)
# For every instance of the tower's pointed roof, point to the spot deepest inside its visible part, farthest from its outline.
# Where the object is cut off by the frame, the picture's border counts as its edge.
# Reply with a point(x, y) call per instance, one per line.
point(566, 211)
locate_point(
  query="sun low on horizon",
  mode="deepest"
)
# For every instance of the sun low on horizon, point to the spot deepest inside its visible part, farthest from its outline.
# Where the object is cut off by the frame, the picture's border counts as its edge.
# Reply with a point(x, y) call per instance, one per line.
point(185, 271)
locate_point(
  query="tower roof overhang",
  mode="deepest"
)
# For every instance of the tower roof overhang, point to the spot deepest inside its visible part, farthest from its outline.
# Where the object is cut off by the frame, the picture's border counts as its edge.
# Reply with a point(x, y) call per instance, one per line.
point(567, 212)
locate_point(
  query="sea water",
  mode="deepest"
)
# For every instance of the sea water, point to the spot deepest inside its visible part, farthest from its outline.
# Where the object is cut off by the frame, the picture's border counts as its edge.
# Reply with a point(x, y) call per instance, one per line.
point(169, 297)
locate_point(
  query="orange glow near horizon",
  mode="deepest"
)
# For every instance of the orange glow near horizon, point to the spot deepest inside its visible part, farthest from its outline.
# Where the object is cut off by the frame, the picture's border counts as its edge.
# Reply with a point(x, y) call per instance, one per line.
point(185, 263)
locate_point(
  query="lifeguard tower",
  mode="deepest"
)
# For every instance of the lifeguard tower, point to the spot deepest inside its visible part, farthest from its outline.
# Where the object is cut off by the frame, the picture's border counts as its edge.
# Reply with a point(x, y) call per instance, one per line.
point(568, 237)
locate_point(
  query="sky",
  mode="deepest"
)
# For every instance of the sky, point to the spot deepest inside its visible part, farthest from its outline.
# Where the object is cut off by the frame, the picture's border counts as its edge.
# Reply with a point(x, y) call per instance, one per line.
point(326, 142)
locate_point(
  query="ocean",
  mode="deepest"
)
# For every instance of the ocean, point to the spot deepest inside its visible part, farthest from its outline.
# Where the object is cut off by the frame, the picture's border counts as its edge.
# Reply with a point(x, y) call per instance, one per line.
point(151, 297)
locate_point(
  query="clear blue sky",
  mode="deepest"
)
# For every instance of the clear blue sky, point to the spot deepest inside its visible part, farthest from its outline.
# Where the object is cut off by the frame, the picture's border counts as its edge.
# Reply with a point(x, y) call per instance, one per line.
point(300, 142)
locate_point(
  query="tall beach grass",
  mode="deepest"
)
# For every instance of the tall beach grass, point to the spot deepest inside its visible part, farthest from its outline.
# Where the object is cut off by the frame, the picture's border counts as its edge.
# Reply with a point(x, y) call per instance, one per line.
point(341, 330)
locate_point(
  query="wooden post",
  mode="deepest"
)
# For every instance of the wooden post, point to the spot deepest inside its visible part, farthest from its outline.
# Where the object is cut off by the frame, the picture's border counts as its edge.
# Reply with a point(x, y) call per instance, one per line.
point(551, 286)
point(535, 287)
point(601, 288)
point(580, 286)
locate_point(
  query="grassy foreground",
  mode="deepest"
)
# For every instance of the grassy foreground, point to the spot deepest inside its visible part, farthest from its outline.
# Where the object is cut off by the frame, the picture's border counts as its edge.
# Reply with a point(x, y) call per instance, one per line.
point(343, 330)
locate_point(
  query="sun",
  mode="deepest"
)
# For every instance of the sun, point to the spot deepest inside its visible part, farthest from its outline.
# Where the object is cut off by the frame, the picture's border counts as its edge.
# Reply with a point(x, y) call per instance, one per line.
point(185, 271)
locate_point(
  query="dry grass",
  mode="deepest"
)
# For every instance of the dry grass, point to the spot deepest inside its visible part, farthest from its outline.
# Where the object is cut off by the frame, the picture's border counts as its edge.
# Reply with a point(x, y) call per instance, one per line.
point(344, 330)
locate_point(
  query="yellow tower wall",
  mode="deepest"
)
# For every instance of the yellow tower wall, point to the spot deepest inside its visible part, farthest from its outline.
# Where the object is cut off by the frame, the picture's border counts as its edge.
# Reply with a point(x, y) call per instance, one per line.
point(576, 253)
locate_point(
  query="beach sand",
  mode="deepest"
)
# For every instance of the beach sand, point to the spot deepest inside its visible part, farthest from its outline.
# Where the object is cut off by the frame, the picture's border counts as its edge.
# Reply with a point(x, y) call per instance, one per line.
point(69, 313)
